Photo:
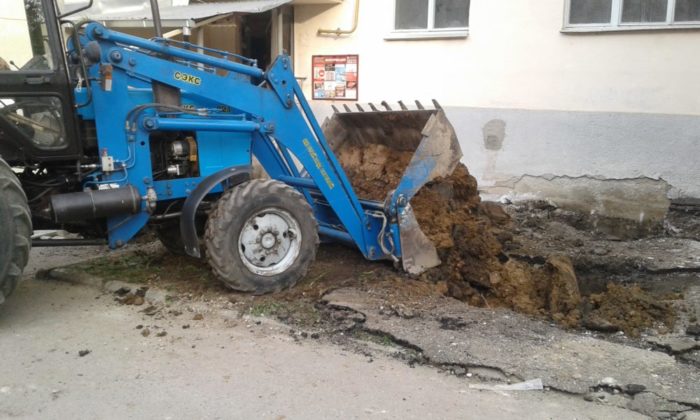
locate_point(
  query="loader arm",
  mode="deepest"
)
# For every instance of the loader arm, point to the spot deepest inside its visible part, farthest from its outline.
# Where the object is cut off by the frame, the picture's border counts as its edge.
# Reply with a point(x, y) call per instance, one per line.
point(265, 113)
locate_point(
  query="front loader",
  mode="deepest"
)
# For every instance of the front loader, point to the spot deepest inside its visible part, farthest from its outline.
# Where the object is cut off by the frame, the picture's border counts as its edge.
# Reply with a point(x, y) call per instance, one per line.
point(103, 134)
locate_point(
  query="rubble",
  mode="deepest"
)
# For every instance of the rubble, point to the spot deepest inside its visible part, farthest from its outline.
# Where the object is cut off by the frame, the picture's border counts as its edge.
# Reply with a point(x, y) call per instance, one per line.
point(675, 344)
point(652, 405)
point(473, 239)
point(693, 330)
point(156, 296)
point(118, 287)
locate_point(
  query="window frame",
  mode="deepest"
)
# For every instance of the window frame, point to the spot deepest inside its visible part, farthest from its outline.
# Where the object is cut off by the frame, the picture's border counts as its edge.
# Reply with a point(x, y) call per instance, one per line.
point(617, 25)
point(428, 33)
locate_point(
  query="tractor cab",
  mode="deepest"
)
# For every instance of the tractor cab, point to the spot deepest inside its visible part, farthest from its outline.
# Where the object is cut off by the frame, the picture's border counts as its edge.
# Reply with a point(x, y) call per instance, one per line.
point(37, 122)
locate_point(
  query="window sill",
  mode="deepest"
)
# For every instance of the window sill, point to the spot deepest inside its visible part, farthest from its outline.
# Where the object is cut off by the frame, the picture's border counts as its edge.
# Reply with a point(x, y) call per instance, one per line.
point(416, 35)
point(628, 28)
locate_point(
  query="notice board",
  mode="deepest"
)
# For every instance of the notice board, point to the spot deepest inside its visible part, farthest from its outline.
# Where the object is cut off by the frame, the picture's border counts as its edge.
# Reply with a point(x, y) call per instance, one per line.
point(335, 77)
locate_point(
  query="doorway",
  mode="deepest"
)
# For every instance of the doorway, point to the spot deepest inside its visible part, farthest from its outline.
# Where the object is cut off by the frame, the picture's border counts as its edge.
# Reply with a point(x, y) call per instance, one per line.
point(257, 37)
point(267, 35)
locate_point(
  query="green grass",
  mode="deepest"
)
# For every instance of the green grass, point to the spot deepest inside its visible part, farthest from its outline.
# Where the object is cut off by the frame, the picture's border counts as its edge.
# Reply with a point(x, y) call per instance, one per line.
point(377, 338)
point(130, 268)
point(265, 309)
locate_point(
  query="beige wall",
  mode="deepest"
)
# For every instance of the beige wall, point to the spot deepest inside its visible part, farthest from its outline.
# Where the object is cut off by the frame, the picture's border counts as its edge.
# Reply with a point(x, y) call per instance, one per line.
point(515, 57)
point(14, 34)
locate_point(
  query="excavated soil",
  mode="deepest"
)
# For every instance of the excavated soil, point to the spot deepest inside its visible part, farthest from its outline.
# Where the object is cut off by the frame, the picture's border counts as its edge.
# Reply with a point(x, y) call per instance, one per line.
point(471, 237)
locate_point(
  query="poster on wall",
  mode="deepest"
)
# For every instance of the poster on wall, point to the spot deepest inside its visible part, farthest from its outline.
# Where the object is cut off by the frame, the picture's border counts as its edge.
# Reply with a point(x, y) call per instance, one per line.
point(335, 77)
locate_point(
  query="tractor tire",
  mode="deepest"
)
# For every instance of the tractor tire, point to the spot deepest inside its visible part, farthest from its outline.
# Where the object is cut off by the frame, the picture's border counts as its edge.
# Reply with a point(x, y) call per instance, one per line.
point(15, 231)
point(261, 237)
point(169, 235)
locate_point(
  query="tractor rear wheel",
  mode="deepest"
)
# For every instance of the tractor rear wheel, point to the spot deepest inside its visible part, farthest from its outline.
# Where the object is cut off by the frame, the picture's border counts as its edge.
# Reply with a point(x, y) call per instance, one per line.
point(169, 234)
point(261, 237)
point(15, 231)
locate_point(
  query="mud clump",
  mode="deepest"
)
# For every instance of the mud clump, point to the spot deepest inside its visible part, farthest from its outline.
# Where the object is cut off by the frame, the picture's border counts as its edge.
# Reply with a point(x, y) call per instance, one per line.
point(627, 309)
point(470, 236)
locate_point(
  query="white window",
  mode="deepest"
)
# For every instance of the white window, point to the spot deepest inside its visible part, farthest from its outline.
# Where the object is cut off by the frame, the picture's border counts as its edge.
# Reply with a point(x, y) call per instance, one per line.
point(430, 19)
point(602, 15)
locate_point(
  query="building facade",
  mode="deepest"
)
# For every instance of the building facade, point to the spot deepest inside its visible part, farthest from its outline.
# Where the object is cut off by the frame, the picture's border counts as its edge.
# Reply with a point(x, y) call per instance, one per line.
point(594, 104)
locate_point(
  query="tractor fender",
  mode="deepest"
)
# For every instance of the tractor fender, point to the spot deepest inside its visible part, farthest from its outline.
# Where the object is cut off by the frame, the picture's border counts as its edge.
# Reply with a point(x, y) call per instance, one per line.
point(233, 176)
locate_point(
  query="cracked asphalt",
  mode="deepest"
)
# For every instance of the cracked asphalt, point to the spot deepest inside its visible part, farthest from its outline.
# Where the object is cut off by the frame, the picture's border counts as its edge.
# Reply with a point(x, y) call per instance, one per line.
point(448, 333)
point(218, 367)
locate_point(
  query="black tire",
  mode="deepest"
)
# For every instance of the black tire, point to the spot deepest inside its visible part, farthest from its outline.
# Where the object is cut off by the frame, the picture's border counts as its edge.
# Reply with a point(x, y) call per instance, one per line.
point(169, 235)
point(235, 215)
point(15, 231)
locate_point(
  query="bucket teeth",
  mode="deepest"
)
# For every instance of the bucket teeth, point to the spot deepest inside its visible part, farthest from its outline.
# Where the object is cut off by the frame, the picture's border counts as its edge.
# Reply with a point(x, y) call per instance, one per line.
point(384, 106)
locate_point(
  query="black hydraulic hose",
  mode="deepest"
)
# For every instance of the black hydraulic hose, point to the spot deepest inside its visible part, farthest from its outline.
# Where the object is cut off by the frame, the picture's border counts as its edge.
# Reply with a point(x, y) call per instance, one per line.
point(79, 49)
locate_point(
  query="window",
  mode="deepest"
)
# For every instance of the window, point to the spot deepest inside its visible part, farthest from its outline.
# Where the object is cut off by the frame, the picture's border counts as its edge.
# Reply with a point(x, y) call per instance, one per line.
point(430, 18)
point(687, 11)
point(593, 15)
point(24, 43)
point(39, 119)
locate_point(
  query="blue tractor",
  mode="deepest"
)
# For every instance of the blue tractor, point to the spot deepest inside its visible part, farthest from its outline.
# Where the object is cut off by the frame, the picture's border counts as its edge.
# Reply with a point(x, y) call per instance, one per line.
point(103, 134)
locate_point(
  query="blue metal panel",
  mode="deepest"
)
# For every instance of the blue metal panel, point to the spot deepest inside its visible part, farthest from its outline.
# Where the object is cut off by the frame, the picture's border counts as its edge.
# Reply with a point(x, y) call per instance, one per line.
point(222, 150)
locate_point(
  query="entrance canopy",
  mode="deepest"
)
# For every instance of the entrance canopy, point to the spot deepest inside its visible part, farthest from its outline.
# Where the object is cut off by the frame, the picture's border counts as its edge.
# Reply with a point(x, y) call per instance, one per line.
point(173, 13)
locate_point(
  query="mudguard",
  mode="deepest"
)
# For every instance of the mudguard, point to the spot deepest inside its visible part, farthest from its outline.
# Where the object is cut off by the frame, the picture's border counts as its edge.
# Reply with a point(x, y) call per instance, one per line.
point(233, 176)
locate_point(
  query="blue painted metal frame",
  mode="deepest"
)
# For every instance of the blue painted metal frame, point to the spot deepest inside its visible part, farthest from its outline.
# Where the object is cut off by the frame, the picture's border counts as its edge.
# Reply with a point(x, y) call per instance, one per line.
point(243, 113)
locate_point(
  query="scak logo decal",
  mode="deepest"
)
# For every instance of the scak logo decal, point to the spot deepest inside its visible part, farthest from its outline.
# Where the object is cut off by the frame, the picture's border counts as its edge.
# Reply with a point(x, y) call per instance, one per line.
point(188, 78)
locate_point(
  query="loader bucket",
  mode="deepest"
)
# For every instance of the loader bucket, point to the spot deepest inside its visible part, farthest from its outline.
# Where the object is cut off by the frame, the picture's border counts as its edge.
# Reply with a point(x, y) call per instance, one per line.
point(424, 135)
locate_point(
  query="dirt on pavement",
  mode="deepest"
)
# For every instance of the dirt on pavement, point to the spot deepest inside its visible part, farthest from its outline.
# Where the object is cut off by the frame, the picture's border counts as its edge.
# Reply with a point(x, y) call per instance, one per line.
point(472, 236)
point(524, 257)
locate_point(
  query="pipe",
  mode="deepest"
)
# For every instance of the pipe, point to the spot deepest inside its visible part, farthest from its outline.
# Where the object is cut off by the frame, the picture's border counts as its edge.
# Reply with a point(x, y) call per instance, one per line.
point(187, 34)
point(162, 93)
point(336, 235)
point(339, 32)
point(46, 243)
point(157, 24)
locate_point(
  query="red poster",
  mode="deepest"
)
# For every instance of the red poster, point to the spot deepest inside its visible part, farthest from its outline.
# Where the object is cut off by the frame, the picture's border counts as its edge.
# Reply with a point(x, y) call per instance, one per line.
point(335, 77)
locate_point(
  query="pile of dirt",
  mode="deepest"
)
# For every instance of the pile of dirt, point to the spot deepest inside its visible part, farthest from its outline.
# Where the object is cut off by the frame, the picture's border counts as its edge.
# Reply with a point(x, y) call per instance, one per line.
point(471, 236)
point(628, 309)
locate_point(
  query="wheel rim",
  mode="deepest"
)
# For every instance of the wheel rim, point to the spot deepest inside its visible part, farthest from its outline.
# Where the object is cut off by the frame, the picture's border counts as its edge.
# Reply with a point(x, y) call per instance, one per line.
point(270, 242)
